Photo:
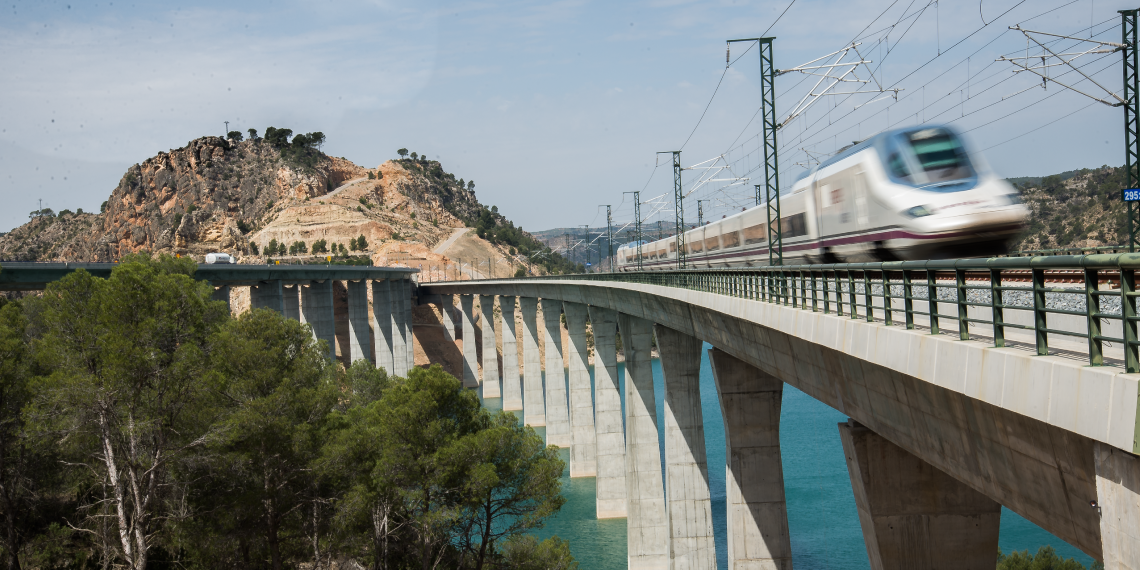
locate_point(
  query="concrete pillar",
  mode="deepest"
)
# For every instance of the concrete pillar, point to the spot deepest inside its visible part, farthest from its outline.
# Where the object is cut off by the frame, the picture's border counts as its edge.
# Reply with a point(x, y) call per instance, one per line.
point(408, 290)
point(688, 505)
point(647, 529)
point(754, 475)
point(267, 295)
point(608, 422)
point(222, 293)
point(512, 384)
point(913, 515)
point(317, 311)
point(447, 312)
point(401, 328)
point(557, 415)
point(382, 321)
point(359, 334)
point(1118, 498)
point(470, 350)
point(583, 440)
point(490, 350)
point(291, 301)
point(534, 409)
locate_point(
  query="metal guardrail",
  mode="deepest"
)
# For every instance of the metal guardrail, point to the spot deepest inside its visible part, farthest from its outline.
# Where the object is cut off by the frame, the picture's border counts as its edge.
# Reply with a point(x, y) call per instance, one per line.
point(874, 291)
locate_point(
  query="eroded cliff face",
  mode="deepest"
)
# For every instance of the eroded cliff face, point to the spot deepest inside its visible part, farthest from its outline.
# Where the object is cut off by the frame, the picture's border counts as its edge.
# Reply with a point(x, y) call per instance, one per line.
point(219, 195)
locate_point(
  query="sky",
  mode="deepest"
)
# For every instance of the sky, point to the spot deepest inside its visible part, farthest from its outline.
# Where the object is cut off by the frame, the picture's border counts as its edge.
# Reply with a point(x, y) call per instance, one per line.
point(552, 108)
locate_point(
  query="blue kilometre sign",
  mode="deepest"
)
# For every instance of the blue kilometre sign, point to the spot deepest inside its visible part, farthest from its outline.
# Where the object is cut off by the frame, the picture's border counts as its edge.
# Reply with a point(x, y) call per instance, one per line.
point(1131, 194)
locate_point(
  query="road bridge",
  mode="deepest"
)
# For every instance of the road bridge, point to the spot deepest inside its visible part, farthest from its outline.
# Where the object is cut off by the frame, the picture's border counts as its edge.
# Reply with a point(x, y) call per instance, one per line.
point(379, 300)
point(957, 406)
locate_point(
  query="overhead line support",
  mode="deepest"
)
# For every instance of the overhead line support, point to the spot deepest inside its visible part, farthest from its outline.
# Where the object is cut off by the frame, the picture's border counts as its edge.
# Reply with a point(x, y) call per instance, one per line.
point(768, 74)
point(678, 204)
point(1131, 118)
point(637, 223)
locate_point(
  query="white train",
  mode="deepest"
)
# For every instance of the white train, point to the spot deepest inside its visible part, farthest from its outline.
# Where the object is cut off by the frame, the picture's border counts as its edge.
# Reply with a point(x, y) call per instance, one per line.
point(914, 193)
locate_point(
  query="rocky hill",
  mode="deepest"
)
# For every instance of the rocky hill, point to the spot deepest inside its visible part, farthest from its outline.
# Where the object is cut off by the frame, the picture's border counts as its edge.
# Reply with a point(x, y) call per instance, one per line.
point(236, 196)
point(1079, 208)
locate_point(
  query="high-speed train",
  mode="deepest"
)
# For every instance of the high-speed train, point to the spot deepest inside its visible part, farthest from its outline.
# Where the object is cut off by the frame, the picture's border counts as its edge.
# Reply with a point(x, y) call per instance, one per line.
point(914, 193)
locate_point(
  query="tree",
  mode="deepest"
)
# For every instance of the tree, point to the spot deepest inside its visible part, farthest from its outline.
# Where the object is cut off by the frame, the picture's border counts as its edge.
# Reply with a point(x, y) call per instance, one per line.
point(279, 138)
point(126, 382)
point(352, 244)
point(273, 248)
point(278, 382)
point(252, 134)
point(525, 552)
point(253, 248)
point(471, 185)
point(415, 156)
point(513, 485)
point(361, 243)
point(343, 251)
point(320, 246)
point(234, 136)
point(402, 152)
point(1045, 559)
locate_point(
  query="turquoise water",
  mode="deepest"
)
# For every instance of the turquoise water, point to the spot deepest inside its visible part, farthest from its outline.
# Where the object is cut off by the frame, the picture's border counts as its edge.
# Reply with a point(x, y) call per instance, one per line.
point(822, 519)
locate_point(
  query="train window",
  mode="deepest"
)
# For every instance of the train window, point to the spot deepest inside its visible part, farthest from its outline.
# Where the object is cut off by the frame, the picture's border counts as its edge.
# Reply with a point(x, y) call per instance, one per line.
point(756, 234)
point(695, 246)
point(672, 247)
point(928, 156)
point(712, 243)
point(662, 254)
point(794, 225)
point(730, 239)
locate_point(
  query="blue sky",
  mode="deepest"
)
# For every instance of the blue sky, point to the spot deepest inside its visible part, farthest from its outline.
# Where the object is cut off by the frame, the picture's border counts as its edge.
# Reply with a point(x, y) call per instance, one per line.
point(552, 108)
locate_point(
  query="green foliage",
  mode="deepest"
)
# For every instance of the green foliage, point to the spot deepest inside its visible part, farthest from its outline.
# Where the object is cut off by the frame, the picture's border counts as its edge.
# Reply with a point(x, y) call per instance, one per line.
point(343, 251)
point(278, 138)
point(103, 207)
point(415, 156)
point(45, 213)
point(1045, 559)
point(177, 221)
point(243, 227)
point(235, 135)
point(252, 134)
point(273, 248)
point(402, 152)
point(525, 552)
point(126, 389)
point(192, 439)
point(371, 176)
point(253, 248)
point(298, 247)
point(191, 208)
point(361, 243)
point(520, 272)
point(320, 246)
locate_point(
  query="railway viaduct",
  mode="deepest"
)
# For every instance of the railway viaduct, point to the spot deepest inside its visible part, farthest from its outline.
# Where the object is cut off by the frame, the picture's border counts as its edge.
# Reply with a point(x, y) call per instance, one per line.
point(944, 428)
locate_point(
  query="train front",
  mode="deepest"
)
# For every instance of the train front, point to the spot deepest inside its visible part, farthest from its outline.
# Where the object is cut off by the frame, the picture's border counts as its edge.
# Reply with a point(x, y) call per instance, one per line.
point(950, 206)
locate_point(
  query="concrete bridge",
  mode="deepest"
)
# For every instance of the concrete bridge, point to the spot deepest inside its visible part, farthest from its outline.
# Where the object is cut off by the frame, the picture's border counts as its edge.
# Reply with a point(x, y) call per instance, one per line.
point(379, 300)
point(947, 423)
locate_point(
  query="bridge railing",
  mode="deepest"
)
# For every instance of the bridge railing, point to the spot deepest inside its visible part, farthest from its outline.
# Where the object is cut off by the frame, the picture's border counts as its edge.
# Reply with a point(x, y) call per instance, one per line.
point(1088, 301)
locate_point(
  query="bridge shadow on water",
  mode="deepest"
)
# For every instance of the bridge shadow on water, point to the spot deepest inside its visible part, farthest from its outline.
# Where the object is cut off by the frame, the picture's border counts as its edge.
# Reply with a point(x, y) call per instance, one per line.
point(822, 519)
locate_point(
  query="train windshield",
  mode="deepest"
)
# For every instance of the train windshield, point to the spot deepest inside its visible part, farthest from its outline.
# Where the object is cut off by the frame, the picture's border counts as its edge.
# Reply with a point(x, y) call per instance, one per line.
point(933, 158)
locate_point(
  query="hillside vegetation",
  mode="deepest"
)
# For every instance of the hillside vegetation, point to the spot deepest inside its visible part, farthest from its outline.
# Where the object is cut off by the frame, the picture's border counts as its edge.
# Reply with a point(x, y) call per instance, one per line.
point(1080, 208)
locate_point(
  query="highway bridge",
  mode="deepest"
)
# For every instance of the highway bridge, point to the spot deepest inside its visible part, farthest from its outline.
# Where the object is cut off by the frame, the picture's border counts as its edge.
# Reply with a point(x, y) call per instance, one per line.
point(957, 406)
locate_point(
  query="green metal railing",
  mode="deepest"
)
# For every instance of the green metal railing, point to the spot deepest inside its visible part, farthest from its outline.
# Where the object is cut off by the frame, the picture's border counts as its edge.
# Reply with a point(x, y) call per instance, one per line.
point(887, 291)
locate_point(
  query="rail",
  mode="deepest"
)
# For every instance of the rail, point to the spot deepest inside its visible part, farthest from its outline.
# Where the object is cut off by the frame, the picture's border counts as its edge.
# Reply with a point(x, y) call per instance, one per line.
point(1004, 296)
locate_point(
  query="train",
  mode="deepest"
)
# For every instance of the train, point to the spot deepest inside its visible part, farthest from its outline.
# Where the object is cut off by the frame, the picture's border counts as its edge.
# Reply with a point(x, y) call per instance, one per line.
point(906, 194)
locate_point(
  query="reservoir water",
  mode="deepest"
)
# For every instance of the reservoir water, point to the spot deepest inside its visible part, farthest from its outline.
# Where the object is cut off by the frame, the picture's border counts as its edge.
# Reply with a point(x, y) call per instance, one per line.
point(822, 519)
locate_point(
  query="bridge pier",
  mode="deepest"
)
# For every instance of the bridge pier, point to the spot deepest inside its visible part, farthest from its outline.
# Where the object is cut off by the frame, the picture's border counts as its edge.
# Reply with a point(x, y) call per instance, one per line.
point(689, 505)
point(317, 311)
point(382, 317)
point(400, 337)
point(266, 296)
point(646, 522)
point(557, 416)
point(446, 317)
point(407, 288)
point(1118, 498)
point(470, 351)
point(534, 409)
point(913, 515)
point(583, 440)
point(757, 513)
point(512, 384)
point(359, 335)
point(222, 293)
point(291, 302)
point(610, 435)
point(490, 351)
